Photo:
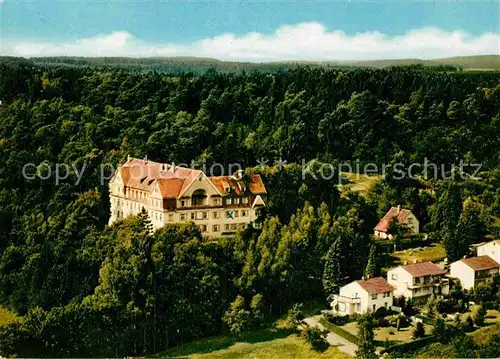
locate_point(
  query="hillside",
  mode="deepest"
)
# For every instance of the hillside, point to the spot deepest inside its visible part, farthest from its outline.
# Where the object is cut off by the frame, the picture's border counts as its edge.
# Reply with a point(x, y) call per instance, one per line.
point(199, 64)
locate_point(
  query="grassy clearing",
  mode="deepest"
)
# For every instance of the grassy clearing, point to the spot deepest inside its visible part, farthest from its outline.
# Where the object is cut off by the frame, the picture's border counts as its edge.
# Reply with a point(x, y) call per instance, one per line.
point(359, 182)
point(7, 316)
point(263, 344)
point(434, 253)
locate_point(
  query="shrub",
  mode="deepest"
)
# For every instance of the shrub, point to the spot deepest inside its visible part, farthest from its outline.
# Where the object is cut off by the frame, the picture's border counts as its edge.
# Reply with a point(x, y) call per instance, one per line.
point(337, 319)
point(439, 331)
point(380, 313)
point(479, 316)
point(315, 337)
point(402, 322)
point(294, 315)
point(419, 331)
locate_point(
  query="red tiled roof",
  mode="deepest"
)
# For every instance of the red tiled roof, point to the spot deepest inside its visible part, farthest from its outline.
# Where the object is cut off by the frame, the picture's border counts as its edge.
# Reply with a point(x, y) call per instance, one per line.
point(392, 214)
point(481, 262)
point(375, 285)
point(421, 269)
point(254, 183)
point(143, 174)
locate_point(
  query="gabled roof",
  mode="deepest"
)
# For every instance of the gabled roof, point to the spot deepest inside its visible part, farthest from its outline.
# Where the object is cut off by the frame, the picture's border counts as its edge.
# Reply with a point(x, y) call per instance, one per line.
point(395, 213)
point(254, 183)
point(375, 285)
point(174, 181)
point(481, 262)
point(424, 268)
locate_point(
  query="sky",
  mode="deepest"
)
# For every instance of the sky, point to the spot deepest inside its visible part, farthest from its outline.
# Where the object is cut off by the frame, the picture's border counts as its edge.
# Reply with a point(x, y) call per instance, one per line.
point(252, 30)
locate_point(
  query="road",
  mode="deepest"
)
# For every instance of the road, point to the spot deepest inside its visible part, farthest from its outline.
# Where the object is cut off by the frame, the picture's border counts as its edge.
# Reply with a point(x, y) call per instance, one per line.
point(333, 339)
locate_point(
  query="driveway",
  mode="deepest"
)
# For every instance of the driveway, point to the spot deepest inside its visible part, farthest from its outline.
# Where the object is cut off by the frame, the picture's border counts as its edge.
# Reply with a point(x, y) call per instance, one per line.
point(333, 339)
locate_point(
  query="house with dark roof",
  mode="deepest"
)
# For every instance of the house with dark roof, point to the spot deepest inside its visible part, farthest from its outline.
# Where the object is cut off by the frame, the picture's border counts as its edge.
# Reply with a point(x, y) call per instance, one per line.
point(418, 281)
point(475, 270)
point(363, 296)
point(403, 217)
point(219, 205)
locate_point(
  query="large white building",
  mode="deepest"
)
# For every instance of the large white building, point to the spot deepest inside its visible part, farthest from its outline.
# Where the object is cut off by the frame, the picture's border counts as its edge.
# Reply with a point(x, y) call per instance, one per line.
point(218, 205)
point(363, 296)
point(418, 281)
point(475, 270)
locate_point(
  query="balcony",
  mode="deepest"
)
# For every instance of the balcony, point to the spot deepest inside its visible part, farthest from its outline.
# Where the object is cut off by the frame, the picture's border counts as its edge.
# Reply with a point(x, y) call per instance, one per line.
point(341, 299)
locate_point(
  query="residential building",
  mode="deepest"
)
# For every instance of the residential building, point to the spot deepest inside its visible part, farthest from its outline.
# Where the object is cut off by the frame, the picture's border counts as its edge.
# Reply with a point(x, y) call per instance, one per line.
point(362, 296)
point(491, 249)
point(219, 205)
point(418, 281)
point(472, 271)
point(402, 216)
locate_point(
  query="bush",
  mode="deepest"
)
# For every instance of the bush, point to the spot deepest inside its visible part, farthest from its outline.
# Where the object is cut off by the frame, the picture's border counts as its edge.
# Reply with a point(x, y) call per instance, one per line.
point(402, 322)
point(479, 316)
point(294, 316)
point(315, 337)
point(337, 319)
point(380, 313)
point(419, 331)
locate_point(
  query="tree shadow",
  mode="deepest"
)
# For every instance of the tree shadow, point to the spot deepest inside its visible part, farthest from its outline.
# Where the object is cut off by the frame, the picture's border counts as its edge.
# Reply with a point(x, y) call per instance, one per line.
point(208, 345)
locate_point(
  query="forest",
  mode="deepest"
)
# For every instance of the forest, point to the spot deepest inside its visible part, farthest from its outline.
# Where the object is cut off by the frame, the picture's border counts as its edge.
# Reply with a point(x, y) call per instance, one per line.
point(84, 288)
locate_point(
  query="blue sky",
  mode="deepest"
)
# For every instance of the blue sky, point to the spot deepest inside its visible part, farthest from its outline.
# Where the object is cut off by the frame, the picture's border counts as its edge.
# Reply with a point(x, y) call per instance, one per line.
point(250, 30)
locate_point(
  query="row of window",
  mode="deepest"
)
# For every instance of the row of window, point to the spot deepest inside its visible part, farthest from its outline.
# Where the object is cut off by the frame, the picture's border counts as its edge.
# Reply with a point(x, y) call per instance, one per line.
point(215, 215)
point(384, 295)
point(227, 227)
point(216, 201)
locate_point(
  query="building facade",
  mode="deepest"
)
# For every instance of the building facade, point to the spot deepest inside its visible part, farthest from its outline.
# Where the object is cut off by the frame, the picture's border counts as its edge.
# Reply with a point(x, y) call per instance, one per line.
point(418, 281)
point(220, 205)
point(363, 296)
point(475, 270)
point(491, 249)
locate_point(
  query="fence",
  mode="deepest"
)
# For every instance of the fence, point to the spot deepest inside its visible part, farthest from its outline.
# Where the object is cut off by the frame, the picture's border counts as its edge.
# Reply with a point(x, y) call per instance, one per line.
point(338, 330)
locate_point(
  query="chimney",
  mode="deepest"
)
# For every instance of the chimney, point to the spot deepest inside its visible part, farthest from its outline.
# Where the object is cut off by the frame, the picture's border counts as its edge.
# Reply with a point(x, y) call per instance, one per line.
point(415, 260)
point(363, 278)
point(146, 159)
point(405, 263)
point(399, 208)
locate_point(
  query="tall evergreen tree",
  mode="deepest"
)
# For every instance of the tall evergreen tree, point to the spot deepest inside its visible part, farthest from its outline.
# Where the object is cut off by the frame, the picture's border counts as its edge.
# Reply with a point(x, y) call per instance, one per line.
point(372, 267)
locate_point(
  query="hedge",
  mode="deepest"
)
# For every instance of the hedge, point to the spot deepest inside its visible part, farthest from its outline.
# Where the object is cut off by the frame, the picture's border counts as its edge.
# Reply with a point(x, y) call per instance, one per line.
point(425, 320)
point(415, 344)
point(338, 330)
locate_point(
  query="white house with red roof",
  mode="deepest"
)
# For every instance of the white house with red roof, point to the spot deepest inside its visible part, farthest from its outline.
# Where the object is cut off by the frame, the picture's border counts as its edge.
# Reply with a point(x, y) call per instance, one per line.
point(218, 205)
point(402, 216)
point(363, 296)
point(475, 270)
point(418, 281)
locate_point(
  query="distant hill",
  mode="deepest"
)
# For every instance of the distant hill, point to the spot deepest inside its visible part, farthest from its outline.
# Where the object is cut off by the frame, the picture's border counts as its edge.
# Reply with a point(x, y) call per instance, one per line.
point(481, 62)
point(199, 64)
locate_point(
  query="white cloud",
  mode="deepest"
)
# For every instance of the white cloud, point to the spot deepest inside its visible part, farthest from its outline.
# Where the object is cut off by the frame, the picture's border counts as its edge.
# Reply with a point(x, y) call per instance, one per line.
point(303, 41)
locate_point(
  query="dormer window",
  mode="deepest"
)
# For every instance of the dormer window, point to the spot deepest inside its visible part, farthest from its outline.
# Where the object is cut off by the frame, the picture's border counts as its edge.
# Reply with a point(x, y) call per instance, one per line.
point(199, 197)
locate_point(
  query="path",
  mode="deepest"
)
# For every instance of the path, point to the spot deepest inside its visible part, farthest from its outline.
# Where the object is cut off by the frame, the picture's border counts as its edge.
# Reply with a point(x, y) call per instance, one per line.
point(333, 339)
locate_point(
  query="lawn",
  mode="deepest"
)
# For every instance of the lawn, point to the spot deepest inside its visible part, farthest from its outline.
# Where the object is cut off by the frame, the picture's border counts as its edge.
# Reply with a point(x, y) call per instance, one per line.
point(263, 344)
point(7, 316)
point(359, 182)
point(434, 253)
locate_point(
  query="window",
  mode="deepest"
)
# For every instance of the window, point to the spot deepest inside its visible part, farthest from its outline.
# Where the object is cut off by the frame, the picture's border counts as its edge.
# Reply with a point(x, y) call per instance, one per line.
point(236, 213)
point(244, 212)
point(237, 201)
point(229, 200)
point(193, 215)
point(170, 217)
point(215, 214)
point(216, 201)
point(233, 226)
point(243, 225)
point(199, 197)
point(215, 228)
point(203, 228)
point(226, 227)
point(244, 200)
point(183, 203)
point(183, 217)
point(374, 296)
point(204, 215)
